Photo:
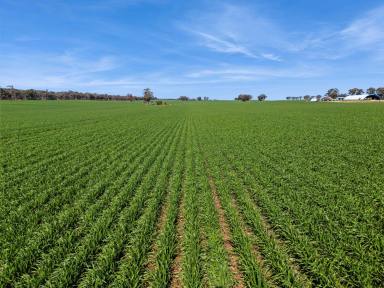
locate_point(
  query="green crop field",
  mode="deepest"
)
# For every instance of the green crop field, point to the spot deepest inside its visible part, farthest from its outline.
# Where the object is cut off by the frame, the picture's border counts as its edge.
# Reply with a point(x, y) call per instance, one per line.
point(196, 194)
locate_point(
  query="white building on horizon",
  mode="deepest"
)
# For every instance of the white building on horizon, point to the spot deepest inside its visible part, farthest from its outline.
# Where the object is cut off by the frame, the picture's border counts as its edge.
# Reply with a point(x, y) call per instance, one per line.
point(361, 97)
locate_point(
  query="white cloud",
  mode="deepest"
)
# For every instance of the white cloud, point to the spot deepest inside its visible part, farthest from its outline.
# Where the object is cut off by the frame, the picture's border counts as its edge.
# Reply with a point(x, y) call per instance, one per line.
point(363, 34)
point(367, 30)
point(257, 73)
point(235, 30)
point(225, 46)
point(271, 56)
point(41, 70)
point(77, 65)
point(238, 29)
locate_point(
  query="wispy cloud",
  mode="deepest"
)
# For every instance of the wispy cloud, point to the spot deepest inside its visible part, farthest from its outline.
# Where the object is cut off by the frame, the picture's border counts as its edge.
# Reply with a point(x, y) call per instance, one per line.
point(363, 34)
point(77, 65)
point(220, 45)
point(271, 56)
point(48, 70)
point(238, 29)
point(233, 29)
point(257, 73)
point(367, 30)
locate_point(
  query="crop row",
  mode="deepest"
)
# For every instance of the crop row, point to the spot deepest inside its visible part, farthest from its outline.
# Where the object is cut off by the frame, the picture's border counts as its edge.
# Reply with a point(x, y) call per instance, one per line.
point(67, 218)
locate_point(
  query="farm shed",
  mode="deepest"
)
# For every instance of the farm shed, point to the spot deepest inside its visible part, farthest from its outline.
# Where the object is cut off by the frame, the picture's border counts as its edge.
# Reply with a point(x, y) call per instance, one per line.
point(361, 97)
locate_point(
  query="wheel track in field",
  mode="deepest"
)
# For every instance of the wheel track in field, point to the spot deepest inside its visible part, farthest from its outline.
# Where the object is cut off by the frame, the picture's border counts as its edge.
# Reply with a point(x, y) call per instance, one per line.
point(264, 219)
point(224, 227)
point(150, 265)
point(159, 264)
point(176, 266)
point(295, 256)
point(299, 277)
point(131, 271)
point(171, 204)
point(122, 165)
point(193, 258)
point(227, 237)
point(233, 252)
point(266, 228)
point(303, 272)
point(265, 270)
point(343, 277)
point(289, 259)
point(250, 267)
point(272, 234)
point(217, 270)
point(234, 260)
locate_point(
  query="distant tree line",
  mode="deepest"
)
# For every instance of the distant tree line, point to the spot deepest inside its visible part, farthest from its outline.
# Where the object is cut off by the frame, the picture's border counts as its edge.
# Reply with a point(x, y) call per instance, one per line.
point(335, 93)
point(186, 98)
point(248, 97)
point(10, 93)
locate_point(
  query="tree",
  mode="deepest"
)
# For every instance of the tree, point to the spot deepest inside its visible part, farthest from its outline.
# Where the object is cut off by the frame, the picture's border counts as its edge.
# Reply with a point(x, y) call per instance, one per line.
point(307, 98)
point(31, 95)
point(333, 93)
point(371, 90)
point(262, 97)
point(199, 98)
point(148, 95)
point(380, 92)
point(183, 98)
point(244, 97)
point(5, 94)
point(355, 91)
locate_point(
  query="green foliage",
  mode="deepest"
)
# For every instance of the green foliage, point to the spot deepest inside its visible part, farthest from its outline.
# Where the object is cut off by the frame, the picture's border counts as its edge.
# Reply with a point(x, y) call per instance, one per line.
point(333, 93)
point(356, 91)
point(244, 97)
point(93, 194)
point(148, 95)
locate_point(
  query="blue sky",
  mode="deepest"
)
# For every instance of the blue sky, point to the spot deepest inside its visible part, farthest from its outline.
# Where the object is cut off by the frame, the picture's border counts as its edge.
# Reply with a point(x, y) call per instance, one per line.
point(195, 48)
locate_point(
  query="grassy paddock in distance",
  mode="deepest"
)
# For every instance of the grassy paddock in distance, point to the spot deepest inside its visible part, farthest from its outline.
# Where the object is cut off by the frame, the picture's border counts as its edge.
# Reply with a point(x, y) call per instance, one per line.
point(284, 193)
